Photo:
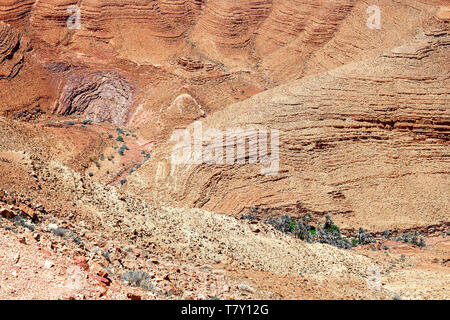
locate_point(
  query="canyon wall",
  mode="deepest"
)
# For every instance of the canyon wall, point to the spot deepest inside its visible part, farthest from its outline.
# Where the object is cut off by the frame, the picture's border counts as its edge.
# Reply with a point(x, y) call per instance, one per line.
point(366, 143)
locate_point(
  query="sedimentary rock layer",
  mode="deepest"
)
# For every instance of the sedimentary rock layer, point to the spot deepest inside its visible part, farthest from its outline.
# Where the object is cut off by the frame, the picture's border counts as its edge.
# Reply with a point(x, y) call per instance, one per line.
point(24, 83)
point(16, 12)
point(277, 40)
point(366, 142)
point(11, 53)
point(101, 96)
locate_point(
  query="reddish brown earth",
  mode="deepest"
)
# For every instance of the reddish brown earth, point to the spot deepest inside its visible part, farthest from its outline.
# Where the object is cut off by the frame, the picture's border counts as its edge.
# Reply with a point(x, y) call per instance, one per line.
point(364, 121)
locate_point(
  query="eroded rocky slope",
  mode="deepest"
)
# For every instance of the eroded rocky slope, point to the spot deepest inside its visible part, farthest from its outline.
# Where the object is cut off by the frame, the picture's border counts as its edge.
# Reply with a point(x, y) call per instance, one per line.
point(366, 142)
point(88, 177)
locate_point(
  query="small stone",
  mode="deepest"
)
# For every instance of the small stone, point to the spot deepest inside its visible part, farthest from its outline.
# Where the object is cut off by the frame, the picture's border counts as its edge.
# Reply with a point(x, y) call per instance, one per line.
point(52, 226)
point(81, 262)
point(16, 258)
point(102, 280)
point(98, 270)
point(132, 296)
point(395, 296)
point(245, 287)
point(6, 213)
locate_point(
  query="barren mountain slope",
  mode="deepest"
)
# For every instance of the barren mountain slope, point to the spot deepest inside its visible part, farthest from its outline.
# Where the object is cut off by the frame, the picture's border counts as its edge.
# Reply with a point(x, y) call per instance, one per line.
point(102, 217)
point(88, 177)
point(217, 52)
point(366, 142)
point(195, 235)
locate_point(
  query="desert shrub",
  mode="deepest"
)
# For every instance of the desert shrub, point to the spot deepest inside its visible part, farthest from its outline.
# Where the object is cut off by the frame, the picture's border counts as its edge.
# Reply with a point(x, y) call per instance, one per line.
point(329, 234)
point(119, 138)
point(414, 239)
point(61, 232)
point(77, 240)
point(282, 223)
point(247, 216)
point(334, 238)
point(139, 278)
point(19, 221)
point(122, 149)
point(328, 222)
point(123, 181)
point(307, 218)
point(363, 237)
point(421, 243)
point(329, 225)
point(107, 256)
point(292, 226)
point(254, 210)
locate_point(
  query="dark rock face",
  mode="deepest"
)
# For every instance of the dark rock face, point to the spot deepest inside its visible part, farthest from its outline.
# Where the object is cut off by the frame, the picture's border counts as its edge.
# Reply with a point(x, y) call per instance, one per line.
point(102, 96)
point(11, 51)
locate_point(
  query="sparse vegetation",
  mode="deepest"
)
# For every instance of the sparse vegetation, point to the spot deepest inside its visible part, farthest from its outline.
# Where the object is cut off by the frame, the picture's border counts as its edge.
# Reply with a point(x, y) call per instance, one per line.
point(61, 232)
point(247, 216)
point(292, 226)
point(19, 221)
point(122, 149)
point(301, 229)
point(139, 278)
point(415, 239)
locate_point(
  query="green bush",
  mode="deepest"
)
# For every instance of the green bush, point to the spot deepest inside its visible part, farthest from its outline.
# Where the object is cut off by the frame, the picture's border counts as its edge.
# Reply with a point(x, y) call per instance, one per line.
point(292, 226)
point(334, 228)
